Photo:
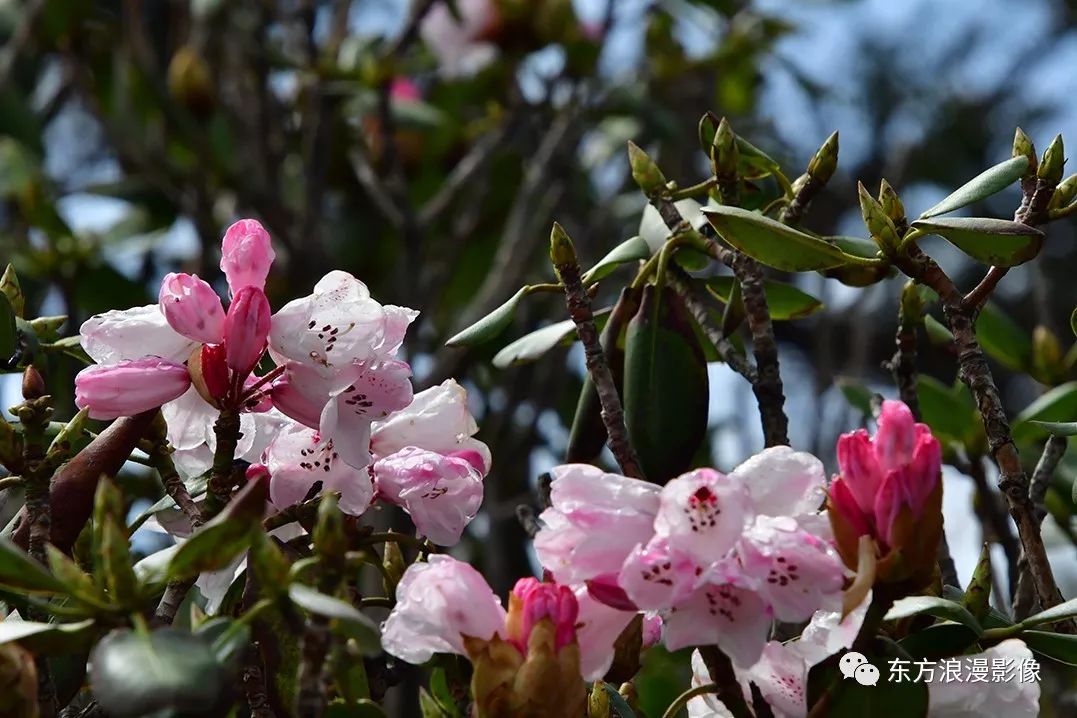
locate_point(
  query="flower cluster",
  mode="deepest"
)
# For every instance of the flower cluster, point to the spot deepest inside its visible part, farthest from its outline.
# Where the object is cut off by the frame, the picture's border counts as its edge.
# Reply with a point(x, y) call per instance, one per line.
point(336, 409)
point(718, 556)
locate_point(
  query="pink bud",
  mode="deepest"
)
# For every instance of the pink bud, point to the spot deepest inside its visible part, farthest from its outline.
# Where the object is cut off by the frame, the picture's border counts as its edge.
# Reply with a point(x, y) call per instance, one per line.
point(192, 308)
point(246, 255)
point(129, 387)
point(257, 472)
point(860, 467)
point(606, 590)
point(404, 90)
point(246, 329)
point(209, 372)
point(842, 502)
point(535, 601)
point(895, 436)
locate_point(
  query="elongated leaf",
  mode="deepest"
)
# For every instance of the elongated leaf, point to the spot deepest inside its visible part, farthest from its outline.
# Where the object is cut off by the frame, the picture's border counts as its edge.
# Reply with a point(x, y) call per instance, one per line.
point(20, 572)
point(219, 542)
point(1073, 321)
point(941, 640)
point(1003, 339)
point(618, 703)
point(46, 637)
point(489, 326)
point(949, 411)
point(1057, 405)
point(856, 246)
point(784, 300)
point(1058, 428)
point(980, 187)
point(1056, 646)
point(992, 241)
point(934, 606)
point(531, 346)
point(858, 395)
point(8, 336)
point(847, 698)
point(167, 671)
point(666, 390)
point(774, 244)
point(352, 621)
point(937, 332)
point(1060, 612)
point(630, 250)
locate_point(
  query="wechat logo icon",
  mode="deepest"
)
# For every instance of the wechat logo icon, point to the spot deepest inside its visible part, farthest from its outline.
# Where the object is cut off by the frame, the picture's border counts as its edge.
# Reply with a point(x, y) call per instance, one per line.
point(855, 665)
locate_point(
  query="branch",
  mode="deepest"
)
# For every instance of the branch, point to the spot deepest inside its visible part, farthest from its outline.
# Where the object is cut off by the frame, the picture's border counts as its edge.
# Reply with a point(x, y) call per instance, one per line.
point(1025, 598)
point(563, 256)
point(726, 685)
point(696, 303)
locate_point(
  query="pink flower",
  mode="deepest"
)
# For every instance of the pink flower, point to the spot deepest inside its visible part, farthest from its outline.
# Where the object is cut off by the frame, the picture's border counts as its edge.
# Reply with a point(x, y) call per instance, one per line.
point(458, 45)
point(404, 90)
point(899, 468)
point(597, 628)
point(534, 601)
point(299, 457)
point(442, 494)
point(245, 330)
point(437, 604)
point(125, 334)
point(718, 557)
point(129, 387)
point(594, 522)
point(192, 308)
point(246, 255)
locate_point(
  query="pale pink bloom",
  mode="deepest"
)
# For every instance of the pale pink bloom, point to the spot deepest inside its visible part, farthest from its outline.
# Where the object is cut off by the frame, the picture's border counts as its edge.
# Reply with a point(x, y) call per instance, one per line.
point(336, 326)
point(246, 255)
point(299, 457)
point(437, 420)
point(594, 522)
point(783, 482)
point(1016, 697)
point(192, 308)
point(538, 601)
point(125, 334)
point(656, 576)
point(129, 387)
point(702, 514)
point(442, 494)
point(796, 572)
point(403, 89)
point(900, 466)
point(246, 328)
point(457, 44)
point(438, 603)
point(597, 629)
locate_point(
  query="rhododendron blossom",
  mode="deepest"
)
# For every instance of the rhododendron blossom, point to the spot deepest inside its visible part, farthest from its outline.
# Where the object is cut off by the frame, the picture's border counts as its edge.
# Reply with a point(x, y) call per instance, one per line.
point(719, 556)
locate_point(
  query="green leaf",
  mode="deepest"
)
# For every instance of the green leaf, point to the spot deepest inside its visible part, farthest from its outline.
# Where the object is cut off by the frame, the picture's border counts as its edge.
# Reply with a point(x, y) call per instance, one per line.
point(167, 671)
point(1073, 321)
point(364, 708)
point(980, 187)
point(666, 387)
point(941, 640)
point(1059, 428)
point(618, 703)
point(933, 606)
point(531, 346)
point(784, 300)
point(1003, 339)
point(856, 246)
point(631, 250)
point(1000, 242)
point(20, 572)
point(949, 411)
point(489, 326)
point(937, 332)
point(9, 338)
point(219, 542)
point(858, 395)
point(429, 707)
point(1062, 611)
point(846, 698)
point(152, 571)
point(774, 244)
point(1057, 405)
point(1056, 646)
point(46, 637)
point(354, 623)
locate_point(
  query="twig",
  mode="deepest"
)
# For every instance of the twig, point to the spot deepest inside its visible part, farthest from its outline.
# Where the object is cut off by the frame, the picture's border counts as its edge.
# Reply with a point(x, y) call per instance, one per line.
point(976, 373)
point(1025, 599)
point(254, 684)
point(696, 303)
point(563, 256)
point(173, 483)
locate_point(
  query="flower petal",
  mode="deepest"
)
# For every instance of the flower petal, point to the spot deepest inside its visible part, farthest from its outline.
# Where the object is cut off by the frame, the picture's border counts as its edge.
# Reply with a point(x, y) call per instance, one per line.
point(126, 334)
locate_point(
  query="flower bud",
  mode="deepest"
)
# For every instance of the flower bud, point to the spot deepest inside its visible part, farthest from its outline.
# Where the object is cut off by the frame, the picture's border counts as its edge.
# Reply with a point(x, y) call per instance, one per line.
point(129, 387)
point(562, 251)
point(878, 223)
point(192, 308)
point(1064, 193)
point(9, 286)
point(10, 445)
point(329, 539)
point(33, 385)
point(645, 172)
point(724, 154)
point(1047, 363)
point(978, 593)
point(209, 373)
point(190, 82)
point(532, 601)
point(246, 328)
point(246, 255)
point(1023, 147)
point(822, 166)
point(598, 701)
point(891, 203)
point(1054, 159)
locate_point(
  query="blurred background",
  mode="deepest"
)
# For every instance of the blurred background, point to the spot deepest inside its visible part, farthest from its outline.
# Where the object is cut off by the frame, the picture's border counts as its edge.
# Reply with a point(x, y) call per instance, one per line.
point(428, 156)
